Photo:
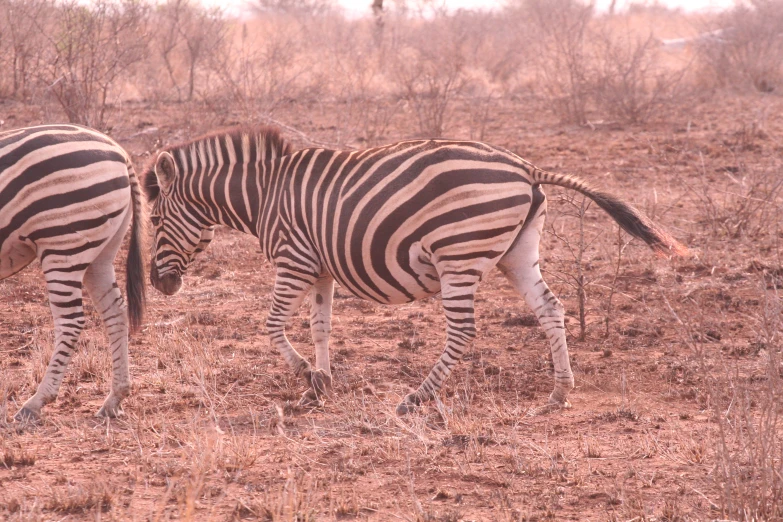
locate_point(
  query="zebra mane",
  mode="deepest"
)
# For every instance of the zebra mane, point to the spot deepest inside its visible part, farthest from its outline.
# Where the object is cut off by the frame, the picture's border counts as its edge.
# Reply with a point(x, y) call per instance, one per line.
point(264, 137)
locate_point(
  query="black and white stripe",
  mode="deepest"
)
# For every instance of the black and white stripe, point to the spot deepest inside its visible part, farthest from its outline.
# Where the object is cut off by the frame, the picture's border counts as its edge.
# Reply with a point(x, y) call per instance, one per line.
point(67, 196)
point(390, 224)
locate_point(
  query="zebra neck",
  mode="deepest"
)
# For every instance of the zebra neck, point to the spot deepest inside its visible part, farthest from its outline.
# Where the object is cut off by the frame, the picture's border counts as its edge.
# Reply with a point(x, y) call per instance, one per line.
point(229, 197)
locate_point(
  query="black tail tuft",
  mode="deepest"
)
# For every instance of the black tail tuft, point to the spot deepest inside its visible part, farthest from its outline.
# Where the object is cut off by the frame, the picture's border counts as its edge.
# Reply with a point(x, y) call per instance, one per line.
point(628, 217)
point(638, 225)
point(134, 269)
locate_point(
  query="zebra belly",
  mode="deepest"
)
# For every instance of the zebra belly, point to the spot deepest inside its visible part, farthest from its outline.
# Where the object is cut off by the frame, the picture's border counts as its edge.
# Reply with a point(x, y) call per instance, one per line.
point(424, 271)
point(416, 279)
point(393, 298)
point(14, 256)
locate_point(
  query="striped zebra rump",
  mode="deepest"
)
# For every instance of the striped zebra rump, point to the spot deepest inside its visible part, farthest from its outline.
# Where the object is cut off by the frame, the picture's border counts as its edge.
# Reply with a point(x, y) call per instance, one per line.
point(67, 197)
point(391, 224)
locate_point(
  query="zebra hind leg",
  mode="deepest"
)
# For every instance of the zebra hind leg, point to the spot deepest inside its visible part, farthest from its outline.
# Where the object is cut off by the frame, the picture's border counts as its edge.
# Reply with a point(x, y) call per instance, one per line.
point(290, 290)
point(100, 282)
point(457, 291)
point(320, 328)
point(520, 265)
point(65, 301)
point(102, 287)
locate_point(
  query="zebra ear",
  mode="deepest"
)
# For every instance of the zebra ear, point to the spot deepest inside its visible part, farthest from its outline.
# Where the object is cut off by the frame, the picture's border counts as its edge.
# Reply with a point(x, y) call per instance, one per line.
point(164, 170)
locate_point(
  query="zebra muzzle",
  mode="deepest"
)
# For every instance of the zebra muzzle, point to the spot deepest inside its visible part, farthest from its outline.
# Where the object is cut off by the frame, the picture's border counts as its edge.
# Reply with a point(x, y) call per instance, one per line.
point(168, 284)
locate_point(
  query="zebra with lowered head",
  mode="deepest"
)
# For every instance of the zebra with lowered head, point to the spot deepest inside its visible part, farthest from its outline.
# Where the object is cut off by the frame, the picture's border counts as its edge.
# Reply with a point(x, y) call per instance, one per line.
point(391, 224)
point(67, 197)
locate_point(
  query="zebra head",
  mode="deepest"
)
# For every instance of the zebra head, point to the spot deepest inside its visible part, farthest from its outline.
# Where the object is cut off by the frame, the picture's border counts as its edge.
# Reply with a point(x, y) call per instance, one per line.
point(179, 232)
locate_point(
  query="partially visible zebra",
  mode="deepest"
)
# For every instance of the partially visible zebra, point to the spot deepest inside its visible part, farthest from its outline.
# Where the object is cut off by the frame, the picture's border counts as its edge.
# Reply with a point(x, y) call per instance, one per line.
point(67, 196)
point(391, 224)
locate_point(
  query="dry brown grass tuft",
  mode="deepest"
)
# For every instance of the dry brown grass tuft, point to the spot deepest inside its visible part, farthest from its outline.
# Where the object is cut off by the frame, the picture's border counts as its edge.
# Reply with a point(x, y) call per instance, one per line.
point(16, 456)
point(76, 500)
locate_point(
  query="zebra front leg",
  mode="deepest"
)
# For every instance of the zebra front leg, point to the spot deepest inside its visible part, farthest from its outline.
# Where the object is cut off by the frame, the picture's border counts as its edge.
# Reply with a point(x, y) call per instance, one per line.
point(101, 284)
point(290, 290)
point(65, 302)
point(460, 332)
point(320, 328)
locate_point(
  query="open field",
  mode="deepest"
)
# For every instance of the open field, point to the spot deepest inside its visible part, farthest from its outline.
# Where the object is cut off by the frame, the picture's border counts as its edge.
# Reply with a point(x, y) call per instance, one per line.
point(677, 410)
point(211, 431)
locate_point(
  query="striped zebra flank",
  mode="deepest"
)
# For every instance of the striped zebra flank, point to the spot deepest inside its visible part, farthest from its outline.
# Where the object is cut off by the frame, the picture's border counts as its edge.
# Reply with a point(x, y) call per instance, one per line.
point(68, 195)
point(391, 224)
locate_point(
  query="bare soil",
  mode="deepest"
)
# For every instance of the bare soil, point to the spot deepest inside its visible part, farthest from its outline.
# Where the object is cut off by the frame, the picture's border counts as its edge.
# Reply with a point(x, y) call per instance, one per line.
point(211, 431)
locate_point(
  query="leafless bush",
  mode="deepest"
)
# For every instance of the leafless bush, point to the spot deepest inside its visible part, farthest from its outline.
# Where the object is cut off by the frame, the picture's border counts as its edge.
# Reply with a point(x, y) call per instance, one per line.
point(89, 48)
point(631, 84)
point(495, 46)
point(261, 64)
point(292, 7)
point(749, 464)
point(738, 200)
point(584, 63)
point(353, 63)
point(621, 246)
point(560, 29)
point(749, 48)
point(428, 71)
point(187, 38)
point(21, 44)
point(478, 108)
point(577, 280)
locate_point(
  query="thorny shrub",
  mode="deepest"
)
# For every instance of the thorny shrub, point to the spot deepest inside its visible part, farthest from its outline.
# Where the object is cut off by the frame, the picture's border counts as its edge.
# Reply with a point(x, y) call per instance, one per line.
point(749, 463)
point(561, 56)
point(748, 47)
point(429, 73)
point(88, 50)
point(738, 200)
point(631, 83)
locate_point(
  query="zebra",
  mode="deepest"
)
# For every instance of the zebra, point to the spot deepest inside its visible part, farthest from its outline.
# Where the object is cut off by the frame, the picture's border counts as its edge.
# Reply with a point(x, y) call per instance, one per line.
point(67, 194)
point(390, 224)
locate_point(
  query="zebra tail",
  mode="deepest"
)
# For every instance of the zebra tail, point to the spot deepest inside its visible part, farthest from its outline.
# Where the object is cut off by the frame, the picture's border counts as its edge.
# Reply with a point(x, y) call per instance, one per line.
point(628, 217)
point(134, 268)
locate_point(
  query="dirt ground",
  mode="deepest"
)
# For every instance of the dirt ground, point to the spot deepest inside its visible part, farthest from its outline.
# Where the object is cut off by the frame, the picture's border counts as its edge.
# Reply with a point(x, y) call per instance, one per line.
point(212, 432)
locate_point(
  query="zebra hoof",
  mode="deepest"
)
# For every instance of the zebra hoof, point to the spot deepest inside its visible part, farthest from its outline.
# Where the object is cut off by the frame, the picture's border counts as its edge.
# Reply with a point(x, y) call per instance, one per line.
point(321, 383)
point(310, 400)
point(26, 415)
point(111, 407)
point(559, 401)
point(550, 407)
point(409, 405)
point(107, 412)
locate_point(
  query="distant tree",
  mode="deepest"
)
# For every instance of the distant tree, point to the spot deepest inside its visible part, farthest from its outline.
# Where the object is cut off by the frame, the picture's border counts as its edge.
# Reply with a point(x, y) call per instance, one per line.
point(377, 11)
point(293, 7)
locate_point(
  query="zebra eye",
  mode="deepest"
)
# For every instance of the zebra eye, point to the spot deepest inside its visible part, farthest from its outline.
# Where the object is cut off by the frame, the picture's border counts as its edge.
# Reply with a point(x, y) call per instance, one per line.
point(155, 220)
